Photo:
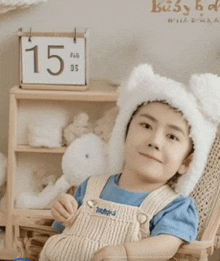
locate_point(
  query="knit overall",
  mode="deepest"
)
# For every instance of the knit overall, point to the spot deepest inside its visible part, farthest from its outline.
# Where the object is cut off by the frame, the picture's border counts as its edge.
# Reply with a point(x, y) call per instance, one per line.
point(98, 223)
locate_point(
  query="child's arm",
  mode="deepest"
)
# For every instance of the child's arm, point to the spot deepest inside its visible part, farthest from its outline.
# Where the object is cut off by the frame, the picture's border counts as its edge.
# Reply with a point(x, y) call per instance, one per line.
point(157, 248)
point(63, 208)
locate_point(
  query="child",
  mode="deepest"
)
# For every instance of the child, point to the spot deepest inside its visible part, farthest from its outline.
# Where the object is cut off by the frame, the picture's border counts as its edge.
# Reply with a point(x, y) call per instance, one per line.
point(161, 138)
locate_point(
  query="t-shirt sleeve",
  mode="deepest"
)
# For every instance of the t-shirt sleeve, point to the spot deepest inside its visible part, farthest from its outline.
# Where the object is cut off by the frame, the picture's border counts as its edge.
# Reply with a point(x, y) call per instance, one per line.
point(80, 192)
point(179, 219)
point(79, 196)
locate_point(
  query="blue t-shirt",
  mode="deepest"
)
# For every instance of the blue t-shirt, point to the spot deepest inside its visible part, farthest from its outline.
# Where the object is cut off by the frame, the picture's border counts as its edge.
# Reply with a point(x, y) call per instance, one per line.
point(179, 218)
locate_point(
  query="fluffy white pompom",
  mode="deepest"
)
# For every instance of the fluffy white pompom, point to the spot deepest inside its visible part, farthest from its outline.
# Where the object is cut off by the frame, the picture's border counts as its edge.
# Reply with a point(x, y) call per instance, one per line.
point(206, 88)
point(83, 158)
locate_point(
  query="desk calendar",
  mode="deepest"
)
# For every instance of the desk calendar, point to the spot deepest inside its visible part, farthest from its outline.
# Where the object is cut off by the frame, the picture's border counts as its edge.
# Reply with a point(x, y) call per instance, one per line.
point(53, 60)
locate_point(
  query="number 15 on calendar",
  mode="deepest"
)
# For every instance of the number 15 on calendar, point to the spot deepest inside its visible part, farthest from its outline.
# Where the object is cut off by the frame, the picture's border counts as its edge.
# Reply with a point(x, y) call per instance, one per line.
point(53, 60)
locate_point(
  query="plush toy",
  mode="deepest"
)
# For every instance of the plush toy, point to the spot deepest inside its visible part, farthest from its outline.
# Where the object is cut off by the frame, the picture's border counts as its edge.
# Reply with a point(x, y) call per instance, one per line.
point(44, 179)
point(105, 124)
point(83, 158)
point(77, 128)
point(45, 129)
point(31, 183)
point(81, 126)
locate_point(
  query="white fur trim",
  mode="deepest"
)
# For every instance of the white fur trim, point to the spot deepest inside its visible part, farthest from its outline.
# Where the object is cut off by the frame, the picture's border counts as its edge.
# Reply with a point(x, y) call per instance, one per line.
point(142, 87)
point(206, 88)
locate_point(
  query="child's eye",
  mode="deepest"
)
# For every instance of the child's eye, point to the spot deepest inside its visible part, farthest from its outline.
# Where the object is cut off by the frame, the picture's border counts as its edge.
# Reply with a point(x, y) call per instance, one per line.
point(173, 137)
point(146, 125)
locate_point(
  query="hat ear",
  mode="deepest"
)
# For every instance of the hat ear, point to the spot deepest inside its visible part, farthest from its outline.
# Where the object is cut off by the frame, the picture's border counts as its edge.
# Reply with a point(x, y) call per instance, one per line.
point(206, 89)
point(140, 74)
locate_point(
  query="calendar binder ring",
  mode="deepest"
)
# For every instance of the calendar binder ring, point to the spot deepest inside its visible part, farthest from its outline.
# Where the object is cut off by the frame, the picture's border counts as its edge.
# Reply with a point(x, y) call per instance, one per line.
point(74, 36)
point(30, 35)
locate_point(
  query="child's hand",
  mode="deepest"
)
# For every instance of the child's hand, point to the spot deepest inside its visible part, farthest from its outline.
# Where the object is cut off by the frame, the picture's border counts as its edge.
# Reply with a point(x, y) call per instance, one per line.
point(63, 208)
point(110, 253)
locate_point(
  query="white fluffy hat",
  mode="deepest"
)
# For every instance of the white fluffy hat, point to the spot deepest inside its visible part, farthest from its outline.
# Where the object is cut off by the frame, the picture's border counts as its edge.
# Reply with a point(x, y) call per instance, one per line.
point(199, 102)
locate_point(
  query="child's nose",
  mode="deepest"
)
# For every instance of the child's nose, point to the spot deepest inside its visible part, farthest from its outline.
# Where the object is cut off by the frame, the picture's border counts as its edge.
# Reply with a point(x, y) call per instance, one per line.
point(153, 145)
point(155, 140)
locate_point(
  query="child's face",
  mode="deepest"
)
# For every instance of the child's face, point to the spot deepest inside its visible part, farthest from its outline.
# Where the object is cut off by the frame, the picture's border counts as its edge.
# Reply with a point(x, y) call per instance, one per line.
point(157, 145)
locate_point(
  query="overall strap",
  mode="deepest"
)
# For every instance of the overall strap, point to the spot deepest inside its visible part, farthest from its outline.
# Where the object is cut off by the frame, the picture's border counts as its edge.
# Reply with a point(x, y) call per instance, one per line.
point(95, 186)
point(158, 199)
point(153, 204)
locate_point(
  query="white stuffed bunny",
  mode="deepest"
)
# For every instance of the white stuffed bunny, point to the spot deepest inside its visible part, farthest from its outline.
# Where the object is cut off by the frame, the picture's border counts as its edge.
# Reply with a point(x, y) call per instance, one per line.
point(83, 158)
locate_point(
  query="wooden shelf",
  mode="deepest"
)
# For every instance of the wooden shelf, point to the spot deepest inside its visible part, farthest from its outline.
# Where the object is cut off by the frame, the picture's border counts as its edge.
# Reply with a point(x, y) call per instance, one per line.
point(26, 148)
point(101, 92)
point(97, 92)
point(42, 213)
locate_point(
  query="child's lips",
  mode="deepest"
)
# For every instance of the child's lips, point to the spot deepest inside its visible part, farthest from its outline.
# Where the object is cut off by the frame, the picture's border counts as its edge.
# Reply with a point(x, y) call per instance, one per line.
point(150, 157)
